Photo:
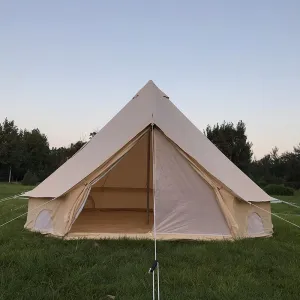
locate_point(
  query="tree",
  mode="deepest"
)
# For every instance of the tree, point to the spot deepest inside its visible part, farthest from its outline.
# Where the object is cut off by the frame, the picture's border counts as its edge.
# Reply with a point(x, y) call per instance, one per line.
point(291, 168)
point(35, 152)
point(30, 179)
point(268, 169)
point(232, 141)
point(73, 148)
point(25, 151)
point(10, 153)
point(278, 169)
point(297, 150)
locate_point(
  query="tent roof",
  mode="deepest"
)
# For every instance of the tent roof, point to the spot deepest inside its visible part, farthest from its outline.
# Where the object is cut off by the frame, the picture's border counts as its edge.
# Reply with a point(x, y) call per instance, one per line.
point(149, 105)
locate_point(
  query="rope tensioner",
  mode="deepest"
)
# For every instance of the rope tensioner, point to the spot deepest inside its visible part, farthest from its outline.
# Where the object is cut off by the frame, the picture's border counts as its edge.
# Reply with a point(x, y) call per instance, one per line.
point(154, 266)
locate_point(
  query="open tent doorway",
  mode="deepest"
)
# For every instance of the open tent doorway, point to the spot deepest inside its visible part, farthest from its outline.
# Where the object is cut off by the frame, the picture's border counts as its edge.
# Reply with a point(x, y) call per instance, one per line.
point(121, 202)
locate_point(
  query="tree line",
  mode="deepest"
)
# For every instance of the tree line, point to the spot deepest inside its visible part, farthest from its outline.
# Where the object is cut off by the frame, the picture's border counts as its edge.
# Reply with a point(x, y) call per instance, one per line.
point(272, 168)
point(24, 152)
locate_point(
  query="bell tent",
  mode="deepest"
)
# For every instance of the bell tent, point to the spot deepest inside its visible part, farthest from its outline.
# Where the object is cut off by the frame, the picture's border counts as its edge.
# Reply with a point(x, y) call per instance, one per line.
point(149, 171)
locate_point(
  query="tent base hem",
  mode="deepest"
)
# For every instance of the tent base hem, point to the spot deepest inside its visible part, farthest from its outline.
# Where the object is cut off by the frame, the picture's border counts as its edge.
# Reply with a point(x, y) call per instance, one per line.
point(149, 236)
point(145, 236)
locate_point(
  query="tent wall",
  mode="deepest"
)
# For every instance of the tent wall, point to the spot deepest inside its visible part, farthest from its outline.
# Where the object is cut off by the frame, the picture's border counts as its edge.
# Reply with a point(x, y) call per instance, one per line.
point(235, 210)
point(241, 210)
point(185, 203)
point(60, 211)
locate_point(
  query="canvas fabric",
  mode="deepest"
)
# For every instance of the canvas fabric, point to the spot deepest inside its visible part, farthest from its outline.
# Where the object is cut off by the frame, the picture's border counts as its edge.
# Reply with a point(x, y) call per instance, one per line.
point(190, 203)
point(194, 182)
point(185, 203)
point(149, 106)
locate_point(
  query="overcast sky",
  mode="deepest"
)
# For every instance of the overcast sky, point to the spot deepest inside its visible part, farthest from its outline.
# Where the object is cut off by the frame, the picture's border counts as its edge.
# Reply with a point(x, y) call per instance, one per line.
point(67, 67)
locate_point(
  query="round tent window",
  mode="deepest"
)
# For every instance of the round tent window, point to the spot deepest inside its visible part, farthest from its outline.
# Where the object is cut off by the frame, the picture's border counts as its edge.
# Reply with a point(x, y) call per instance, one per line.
point(255, 225)
point(44, 222)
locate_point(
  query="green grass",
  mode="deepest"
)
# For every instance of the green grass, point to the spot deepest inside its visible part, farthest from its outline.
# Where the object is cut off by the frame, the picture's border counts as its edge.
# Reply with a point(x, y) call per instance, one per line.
point(36, 267)
point(282, 208)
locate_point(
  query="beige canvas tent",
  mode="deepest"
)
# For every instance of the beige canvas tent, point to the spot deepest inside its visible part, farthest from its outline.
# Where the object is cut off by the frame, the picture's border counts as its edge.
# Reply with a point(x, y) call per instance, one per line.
point(149, 166)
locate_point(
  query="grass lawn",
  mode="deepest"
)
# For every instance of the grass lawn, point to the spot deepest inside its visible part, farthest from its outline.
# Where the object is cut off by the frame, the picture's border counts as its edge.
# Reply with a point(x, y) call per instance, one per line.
point(37, 267)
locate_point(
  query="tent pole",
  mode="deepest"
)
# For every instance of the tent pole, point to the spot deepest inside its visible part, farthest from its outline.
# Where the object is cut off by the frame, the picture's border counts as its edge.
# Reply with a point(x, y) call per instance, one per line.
point(148, 175)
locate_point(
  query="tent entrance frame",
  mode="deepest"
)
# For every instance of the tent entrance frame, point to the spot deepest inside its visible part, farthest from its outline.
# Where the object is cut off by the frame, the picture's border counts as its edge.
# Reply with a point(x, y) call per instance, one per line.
point(110, 166)
point(149, 130)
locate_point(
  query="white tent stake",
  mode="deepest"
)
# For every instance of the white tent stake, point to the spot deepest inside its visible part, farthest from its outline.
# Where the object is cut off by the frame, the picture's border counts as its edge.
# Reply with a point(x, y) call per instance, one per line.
point(158, 292)
point(153, 284)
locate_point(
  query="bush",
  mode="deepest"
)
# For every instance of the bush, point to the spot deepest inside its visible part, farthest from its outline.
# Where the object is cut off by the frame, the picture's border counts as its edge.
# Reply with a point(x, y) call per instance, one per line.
point(262, 183)
point(294, 185)
point(278, 190)
point(30, 179)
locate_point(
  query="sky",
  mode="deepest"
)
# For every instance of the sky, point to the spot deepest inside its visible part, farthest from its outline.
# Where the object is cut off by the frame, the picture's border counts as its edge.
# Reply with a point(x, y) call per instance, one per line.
point(67, 67)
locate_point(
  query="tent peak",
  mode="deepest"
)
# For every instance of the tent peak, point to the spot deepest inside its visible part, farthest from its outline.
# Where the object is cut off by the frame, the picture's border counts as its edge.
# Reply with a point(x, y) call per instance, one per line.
point(152, 84)
point(150, 88)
